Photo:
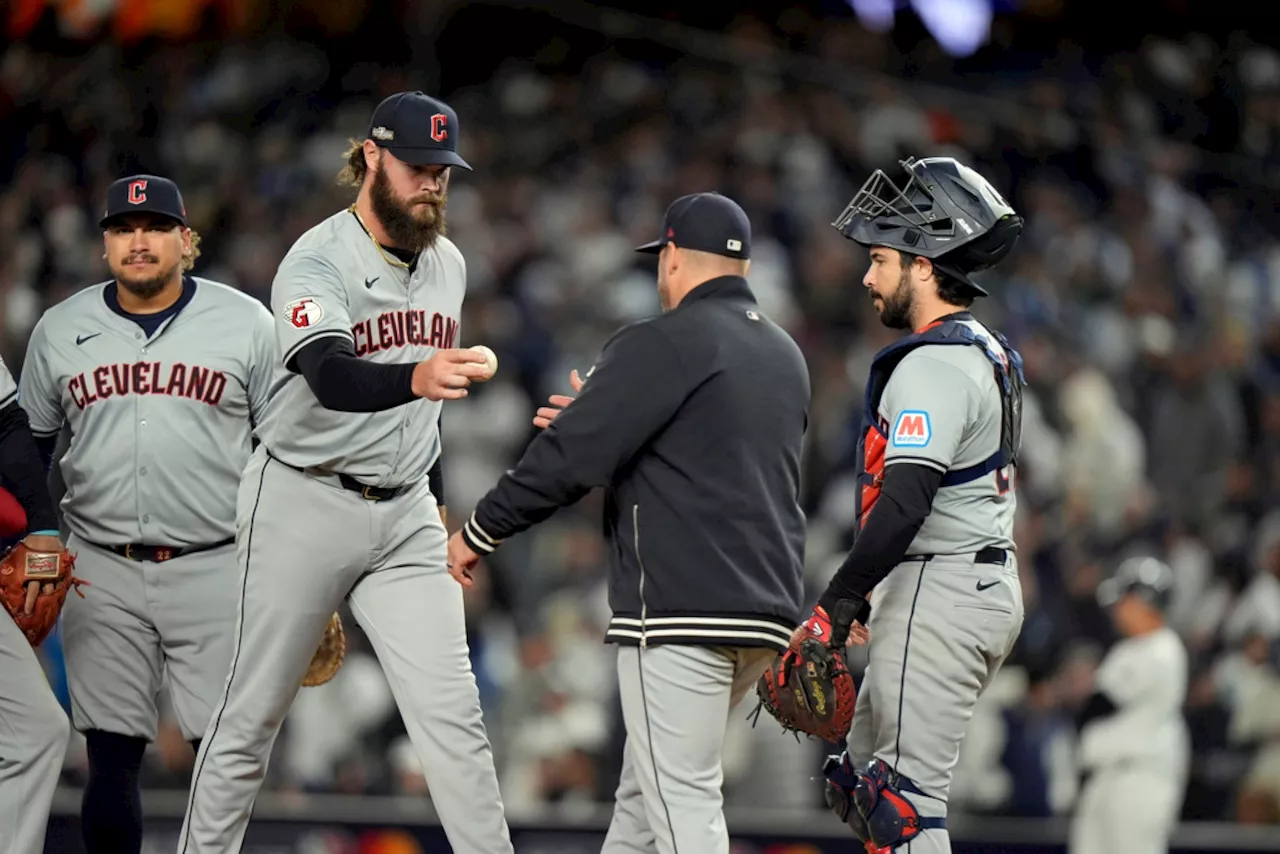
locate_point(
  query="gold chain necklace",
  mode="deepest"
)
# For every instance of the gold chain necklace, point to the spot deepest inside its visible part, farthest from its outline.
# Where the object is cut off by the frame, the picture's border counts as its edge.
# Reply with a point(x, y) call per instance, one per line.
point(390, 259)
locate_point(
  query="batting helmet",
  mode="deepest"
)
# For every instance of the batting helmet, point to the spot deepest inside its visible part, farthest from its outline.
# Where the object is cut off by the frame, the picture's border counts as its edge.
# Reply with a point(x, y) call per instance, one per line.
point(947, 213)
point(1147, 578)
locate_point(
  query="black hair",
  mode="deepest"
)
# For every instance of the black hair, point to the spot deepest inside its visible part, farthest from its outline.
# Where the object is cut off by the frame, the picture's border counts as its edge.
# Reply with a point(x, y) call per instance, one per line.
point(951, 290)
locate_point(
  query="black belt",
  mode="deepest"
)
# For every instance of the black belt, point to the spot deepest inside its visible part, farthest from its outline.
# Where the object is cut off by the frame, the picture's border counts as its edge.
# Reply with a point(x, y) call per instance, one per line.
point(990, 554)
point(372, 493)
point(368, 493)
point(159, 554)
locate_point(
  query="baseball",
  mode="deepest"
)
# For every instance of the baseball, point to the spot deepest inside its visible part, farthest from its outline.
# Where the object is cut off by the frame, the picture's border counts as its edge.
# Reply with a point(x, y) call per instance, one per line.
point(490, 359)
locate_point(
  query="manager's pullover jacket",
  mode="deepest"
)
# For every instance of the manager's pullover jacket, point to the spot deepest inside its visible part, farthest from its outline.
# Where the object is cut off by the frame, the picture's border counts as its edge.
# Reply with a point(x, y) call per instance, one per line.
point(694, 423)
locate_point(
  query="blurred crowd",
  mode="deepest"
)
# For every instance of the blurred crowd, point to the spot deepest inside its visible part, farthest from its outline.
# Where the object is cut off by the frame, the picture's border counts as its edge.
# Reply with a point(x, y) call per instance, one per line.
point(1144, 297)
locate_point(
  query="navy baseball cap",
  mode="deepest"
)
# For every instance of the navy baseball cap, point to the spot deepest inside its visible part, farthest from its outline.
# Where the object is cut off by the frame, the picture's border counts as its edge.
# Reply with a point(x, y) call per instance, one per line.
point(144, 194)
point(417, 129)
point(708, 222)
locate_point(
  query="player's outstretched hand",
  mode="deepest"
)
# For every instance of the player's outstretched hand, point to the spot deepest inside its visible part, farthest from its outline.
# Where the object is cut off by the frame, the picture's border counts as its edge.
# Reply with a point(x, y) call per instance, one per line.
point(446, 375)
point(547, 414)
point(461, 559)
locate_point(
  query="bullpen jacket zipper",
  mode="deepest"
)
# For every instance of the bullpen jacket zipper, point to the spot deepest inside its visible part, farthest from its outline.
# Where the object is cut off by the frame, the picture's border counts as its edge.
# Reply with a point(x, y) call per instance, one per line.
point(635, 536)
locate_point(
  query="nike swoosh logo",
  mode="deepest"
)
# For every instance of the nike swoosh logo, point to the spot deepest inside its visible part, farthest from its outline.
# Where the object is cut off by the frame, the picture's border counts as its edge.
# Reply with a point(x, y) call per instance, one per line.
point(982, 586)
point(80, 339)
point(368, 283)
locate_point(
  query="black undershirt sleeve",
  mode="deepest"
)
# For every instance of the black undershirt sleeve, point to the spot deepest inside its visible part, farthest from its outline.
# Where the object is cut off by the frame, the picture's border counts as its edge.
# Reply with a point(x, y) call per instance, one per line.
point(46, 446)
point(906, 499)
point(435, 477)
point(343, 382)
point(21, 462)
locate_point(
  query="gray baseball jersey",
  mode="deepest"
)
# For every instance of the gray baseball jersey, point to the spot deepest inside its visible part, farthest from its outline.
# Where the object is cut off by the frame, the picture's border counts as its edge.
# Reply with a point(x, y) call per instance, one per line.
point(8, 388)
point(161, 425)
point(307, 543)
point(942, 409)
point(336, 282)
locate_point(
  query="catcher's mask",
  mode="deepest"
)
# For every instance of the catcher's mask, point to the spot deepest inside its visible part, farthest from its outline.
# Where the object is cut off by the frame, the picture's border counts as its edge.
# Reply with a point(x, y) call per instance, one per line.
point(946, 212)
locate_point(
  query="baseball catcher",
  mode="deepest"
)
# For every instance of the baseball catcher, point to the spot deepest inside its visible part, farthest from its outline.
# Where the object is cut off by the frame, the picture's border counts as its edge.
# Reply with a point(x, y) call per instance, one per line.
point(35, 577)
point(809, 688)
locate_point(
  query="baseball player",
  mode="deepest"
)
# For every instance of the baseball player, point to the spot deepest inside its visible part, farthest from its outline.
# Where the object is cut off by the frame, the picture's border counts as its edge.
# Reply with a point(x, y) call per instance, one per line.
point(934, 552)
point(1134, 744)
point(159, 374)
point(337, 502)
point(33, 727)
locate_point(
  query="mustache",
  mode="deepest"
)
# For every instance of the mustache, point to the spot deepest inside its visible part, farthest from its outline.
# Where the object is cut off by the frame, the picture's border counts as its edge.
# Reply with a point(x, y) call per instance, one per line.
point(150, 259)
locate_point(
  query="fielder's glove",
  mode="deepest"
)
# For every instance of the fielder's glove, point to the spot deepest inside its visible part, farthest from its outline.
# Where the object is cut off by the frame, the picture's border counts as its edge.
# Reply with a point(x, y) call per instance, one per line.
point(34, 586)
point(809, 687)
point(329, 655)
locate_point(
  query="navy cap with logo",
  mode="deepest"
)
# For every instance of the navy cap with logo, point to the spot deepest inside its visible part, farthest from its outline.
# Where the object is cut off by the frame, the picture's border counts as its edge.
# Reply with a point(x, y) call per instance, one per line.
point(708, 222)
point(144, 194)
point(418, 129)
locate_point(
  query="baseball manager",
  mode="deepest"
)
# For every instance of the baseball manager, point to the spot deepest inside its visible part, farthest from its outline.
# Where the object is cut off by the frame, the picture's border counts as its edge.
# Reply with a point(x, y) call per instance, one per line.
point(693, 421)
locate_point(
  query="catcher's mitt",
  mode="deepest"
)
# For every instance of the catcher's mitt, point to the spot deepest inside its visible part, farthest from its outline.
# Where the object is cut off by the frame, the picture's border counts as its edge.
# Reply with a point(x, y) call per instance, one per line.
point(329, 655)
point(23, 566)
point(810, 689)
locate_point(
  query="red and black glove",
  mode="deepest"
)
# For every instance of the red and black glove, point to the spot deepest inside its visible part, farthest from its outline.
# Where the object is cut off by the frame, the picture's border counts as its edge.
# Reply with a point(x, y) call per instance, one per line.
point(809, 688)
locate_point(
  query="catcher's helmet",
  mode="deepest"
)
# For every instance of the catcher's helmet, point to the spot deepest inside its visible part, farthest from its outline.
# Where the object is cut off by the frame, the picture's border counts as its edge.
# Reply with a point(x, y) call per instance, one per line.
point(1148, 578)
point(947, 213)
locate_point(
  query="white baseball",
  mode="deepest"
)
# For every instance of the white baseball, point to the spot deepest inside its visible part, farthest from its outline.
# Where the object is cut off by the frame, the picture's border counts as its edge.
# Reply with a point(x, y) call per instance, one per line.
point(490, 359)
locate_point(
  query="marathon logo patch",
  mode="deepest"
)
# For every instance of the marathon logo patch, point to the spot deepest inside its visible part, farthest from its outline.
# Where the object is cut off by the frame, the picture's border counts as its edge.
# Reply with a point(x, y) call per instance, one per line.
point(912, 429)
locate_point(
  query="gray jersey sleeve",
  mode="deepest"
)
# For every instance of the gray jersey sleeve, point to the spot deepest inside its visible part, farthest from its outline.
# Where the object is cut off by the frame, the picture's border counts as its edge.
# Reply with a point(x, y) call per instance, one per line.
point(309, 301)
point(41, 394)
point(8, 388)
point(262, 368)
point(928, 406)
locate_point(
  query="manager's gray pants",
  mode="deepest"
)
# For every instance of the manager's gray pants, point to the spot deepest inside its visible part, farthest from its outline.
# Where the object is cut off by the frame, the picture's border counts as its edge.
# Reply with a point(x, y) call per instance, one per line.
point(675, 705)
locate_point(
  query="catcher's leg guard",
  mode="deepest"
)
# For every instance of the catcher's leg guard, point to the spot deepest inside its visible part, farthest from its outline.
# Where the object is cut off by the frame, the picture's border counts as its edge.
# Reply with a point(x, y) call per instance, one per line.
point(839, 794)
point(881, 817)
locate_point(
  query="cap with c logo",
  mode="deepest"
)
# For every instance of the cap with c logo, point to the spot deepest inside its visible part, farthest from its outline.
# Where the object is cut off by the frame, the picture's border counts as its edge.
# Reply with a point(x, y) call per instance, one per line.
point(418, 129)
point(144, 194)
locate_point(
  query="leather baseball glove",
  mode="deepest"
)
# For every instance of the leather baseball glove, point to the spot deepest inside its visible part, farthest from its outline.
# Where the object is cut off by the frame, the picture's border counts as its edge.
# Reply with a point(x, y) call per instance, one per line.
point(809, 687)
point(34, 586)
point(329, 655)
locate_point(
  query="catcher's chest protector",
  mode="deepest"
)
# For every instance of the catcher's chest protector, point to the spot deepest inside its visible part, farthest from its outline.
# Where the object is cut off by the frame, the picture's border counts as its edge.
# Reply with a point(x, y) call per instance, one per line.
point(874, 437)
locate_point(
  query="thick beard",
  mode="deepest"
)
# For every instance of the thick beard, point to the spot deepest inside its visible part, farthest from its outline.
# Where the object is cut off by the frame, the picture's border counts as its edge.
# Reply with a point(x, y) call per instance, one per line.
point(145, 289)
point(406, 230)
point(896, 313)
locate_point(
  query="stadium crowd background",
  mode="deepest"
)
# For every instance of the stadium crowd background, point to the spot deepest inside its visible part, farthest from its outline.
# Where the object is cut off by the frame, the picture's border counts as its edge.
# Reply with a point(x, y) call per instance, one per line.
point(1144, 296)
